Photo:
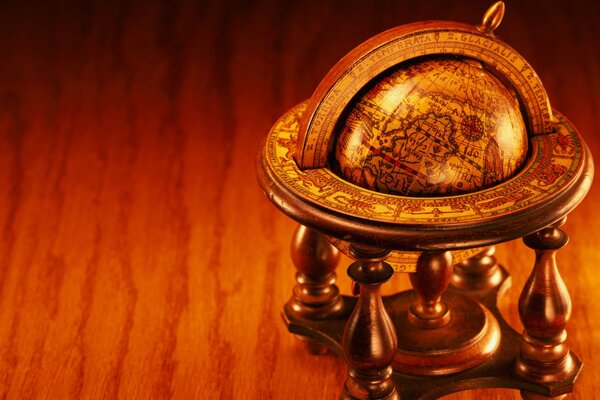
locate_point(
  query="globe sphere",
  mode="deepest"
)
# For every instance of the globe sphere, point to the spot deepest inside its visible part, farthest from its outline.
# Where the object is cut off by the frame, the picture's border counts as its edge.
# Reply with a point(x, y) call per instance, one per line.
point(436, 127)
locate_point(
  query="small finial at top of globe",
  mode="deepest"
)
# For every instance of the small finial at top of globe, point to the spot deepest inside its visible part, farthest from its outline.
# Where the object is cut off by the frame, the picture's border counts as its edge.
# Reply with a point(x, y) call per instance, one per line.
point(492, 18)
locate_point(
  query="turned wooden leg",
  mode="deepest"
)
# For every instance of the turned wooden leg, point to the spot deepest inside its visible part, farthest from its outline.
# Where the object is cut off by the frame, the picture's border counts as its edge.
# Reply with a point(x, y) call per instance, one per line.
point(369, 342)
point(545, 308)
point(429, 282)
point(478, 272)
point(315, 295)
point(441, 333)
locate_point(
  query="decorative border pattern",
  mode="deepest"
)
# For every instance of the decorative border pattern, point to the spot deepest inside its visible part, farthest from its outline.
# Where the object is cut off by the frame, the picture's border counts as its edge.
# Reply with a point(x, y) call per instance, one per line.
point(555, 161)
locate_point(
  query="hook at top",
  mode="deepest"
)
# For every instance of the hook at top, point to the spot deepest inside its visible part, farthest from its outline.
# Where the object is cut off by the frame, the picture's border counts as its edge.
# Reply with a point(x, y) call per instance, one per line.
point(492, 18)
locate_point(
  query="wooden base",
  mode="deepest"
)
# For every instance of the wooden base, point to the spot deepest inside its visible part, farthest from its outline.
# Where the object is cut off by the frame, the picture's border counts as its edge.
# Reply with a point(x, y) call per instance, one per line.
point(468, 339)
point(497, 371)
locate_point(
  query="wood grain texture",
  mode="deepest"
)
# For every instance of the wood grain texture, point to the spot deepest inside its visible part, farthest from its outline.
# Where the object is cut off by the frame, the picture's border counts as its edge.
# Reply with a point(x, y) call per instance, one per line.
point(138, 256)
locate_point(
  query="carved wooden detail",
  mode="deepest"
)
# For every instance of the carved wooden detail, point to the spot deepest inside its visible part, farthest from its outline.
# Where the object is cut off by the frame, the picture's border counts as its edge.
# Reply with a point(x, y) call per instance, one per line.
point(545, 309)
point(369, 342)
point(391, 152)
point(315, 295)
point(440, 333)
point(479, 272)
point(429, 282)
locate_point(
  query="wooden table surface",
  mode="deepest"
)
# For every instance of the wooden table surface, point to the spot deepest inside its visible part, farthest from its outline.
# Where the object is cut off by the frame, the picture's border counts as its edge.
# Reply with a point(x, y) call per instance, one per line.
point(139, 258)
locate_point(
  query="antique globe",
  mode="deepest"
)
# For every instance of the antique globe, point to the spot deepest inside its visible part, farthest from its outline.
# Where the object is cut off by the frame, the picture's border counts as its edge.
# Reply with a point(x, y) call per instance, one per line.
point(439, 126)
point(418, 152)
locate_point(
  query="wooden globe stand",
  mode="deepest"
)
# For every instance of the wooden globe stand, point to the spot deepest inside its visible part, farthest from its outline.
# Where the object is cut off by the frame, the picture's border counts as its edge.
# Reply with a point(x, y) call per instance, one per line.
point(452, 337)
point(446, 334)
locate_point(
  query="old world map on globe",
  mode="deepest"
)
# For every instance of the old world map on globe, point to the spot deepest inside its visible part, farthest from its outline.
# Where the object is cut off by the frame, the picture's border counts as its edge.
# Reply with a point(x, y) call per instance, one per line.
point(423, 125)
point(437, 127)
point(419, 151)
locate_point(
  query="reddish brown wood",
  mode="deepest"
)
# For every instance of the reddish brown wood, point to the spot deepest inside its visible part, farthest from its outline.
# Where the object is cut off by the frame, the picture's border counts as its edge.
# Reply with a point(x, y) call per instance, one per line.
point(434, 270)
point(139, 260)
point(315, 295)
point(545, 309)
point(440, 335)
point(366, 340)
point(369, 341)
point(425, 237)
point(480, 272)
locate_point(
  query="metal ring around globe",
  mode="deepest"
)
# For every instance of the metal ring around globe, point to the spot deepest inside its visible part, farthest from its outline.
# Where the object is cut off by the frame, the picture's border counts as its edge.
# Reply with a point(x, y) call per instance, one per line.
point(554, 180)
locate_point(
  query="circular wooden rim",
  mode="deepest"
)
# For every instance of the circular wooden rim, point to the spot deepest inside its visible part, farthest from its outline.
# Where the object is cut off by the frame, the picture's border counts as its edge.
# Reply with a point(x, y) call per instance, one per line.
point(556, 178)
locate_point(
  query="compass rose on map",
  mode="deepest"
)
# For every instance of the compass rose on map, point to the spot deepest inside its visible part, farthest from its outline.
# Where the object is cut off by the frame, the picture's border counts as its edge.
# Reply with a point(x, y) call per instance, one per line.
point(439, 126)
